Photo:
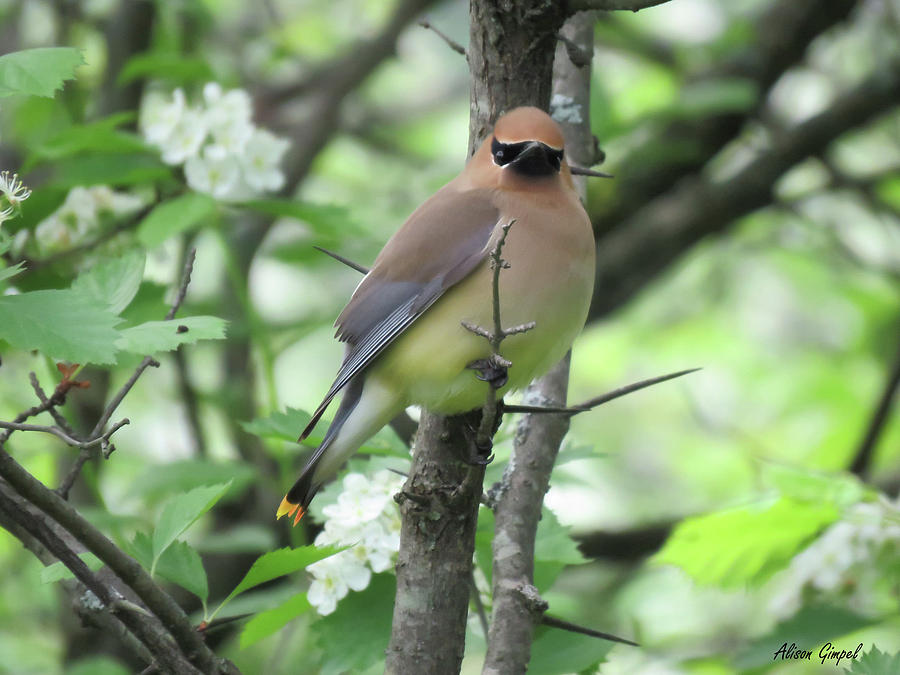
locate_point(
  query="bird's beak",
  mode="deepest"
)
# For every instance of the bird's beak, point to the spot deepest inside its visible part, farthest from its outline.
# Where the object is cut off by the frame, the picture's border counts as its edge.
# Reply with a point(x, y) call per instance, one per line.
point(537, 159)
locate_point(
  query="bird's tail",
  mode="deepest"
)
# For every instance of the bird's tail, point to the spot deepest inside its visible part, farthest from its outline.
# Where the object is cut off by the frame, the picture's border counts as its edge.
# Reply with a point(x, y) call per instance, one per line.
point(365, 408)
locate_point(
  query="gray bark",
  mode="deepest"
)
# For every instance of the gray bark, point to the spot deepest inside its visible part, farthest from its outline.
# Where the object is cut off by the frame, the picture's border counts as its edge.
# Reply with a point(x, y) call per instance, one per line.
point(517, 606)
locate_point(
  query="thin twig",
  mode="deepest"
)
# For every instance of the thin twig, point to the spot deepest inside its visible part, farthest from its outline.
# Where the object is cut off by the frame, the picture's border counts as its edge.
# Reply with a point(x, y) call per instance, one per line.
point(495, 336)
point(453, 44)
point(51, 404)
point(59, 433)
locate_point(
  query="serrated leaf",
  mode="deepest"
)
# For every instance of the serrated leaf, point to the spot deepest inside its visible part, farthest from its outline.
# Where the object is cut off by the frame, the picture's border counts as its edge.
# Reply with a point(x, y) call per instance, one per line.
point(284, 425)
point(63, 324)
point(179, 564)
point(38, 72)
point(164, 336)
point(170, 66)
point(58, 571)
point(182, 512)
point(182, 565)
point(277, 564)
point(12, 271)
point(554, 549)
point(177, 215)
point(271, 621)
point(555, 652)
point(745, 544)
point(875, 662)
point(355, 636)
point(113, 282)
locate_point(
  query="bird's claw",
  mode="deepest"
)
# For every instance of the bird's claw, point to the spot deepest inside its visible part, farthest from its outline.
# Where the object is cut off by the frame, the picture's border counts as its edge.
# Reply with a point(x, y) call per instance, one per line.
point(492, 370)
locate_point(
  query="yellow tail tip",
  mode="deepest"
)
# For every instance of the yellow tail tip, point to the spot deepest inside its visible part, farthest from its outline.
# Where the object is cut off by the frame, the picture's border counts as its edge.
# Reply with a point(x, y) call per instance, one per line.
point(290, 509)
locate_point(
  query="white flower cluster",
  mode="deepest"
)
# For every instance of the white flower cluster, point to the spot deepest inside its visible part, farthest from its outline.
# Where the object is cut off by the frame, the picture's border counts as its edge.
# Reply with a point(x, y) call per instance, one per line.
point(365, 518)
point(12, 194)
point(81, 216)
point(849, 559)
point(224, 154)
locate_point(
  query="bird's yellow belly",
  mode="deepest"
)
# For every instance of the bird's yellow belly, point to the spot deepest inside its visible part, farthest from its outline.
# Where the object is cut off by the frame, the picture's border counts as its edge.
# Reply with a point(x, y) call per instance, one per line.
point(428, 362)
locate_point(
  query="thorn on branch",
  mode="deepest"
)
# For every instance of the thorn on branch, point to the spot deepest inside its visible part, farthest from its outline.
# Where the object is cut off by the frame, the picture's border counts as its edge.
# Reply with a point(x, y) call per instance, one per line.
point(349, 263)
point(553, 622)
point(590, 404)
point(453, 44)
point(581, 171)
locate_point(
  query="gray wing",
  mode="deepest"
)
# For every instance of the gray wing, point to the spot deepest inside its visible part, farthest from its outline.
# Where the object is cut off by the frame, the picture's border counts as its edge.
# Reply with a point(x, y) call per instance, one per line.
point(440, 244)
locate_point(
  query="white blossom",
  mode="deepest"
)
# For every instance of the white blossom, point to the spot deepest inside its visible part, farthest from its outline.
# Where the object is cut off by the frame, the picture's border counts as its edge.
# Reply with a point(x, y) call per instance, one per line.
point(224, 154)
point(261, 161)
point(6, 214)
point(159, 116)
point(333, 577)
point(364, 518)
point(186, 138)
point(217, 176)
point(13, 189)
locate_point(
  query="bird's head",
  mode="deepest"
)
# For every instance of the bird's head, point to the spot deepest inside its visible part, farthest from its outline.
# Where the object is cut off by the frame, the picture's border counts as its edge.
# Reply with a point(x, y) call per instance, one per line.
point(528, 142)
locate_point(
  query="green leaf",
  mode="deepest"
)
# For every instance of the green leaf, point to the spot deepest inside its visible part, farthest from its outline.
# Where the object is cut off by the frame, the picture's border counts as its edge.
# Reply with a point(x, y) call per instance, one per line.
point(355, 636)
point(182, 512)
point(809, 629)
point(165, 65)
point(38, 72)
point(177, 215)
point(256, 538)
point(746, 544)
point(839, 489)
point(271, 621)
point(554, 549)
point(108, 168)
point(99, 136)
point(555, 652)
point(875, 662)
point(164, 336)
point(161, 481)
point(277, 564)
point(12, 271)
point(285, 426)
point(180, 564)
point(714, 97)
point(58, 571)
point(64, 324)
point(114, 282)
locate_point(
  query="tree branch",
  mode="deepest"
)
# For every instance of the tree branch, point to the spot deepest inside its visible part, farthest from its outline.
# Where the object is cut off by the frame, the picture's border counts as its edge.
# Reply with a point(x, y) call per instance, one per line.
point(633, 254)
point(517, 605)
point(863, 457)
point(151, 633)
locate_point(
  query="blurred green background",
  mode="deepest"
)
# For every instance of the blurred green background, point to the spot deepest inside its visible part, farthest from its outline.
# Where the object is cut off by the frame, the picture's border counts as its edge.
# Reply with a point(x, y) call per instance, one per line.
point(717, 516)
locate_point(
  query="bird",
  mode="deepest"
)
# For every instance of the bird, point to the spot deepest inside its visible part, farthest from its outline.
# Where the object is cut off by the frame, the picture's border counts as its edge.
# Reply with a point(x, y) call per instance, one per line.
point(403, 325)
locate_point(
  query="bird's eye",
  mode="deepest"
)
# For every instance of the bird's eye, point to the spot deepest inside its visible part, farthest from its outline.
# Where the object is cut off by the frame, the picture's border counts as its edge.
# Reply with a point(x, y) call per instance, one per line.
point(504, 153)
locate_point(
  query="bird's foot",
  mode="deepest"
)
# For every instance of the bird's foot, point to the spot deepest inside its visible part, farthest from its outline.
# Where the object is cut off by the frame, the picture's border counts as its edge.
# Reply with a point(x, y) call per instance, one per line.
point(492, 370)
point(479, 449)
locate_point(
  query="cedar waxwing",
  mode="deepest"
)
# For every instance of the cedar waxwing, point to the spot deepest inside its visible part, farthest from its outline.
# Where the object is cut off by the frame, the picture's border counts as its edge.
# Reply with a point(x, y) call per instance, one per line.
point(406, 344)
